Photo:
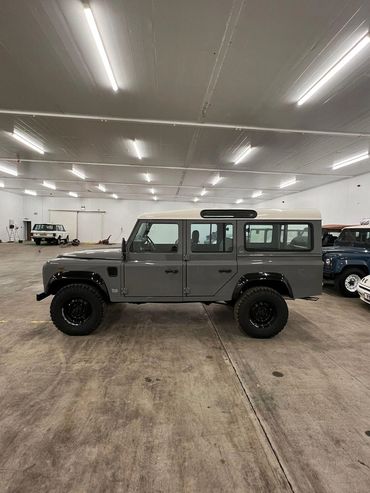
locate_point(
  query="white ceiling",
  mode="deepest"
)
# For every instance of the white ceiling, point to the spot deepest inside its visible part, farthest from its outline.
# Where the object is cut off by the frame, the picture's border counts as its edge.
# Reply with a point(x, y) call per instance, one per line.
point(241, 63)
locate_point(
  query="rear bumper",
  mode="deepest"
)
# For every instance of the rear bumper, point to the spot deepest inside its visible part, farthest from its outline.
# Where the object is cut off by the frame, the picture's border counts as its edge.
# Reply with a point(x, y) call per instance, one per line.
point(41, 296)
point(364, 294)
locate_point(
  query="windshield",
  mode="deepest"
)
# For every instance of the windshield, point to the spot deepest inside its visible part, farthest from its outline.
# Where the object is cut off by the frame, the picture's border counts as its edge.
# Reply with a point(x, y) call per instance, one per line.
point(44, 227)
point(354, 237)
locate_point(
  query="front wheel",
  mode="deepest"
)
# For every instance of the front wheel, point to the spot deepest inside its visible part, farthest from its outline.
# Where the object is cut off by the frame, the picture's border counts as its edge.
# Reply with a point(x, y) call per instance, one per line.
point(261, 312)
point(77, 309)
point(347, 282)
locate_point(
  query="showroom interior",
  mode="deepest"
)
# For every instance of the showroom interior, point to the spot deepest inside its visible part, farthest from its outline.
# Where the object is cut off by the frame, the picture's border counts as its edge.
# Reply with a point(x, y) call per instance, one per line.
point(117, 114)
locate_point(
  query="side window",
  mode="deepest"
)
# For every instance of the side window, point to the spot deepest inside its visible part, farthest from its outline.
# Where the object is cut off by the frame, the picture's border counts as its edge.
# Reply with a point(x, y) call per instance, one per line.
point(295, 237)
point(156, 237)
point(260, 236)
point(211, 237)
point(278, 237)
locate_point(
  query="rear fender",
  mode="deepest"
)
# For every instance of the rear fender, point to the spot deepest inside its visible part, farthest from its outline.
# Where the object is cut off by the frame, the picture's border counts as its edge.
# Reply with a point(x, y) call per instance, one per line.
point(272, 280)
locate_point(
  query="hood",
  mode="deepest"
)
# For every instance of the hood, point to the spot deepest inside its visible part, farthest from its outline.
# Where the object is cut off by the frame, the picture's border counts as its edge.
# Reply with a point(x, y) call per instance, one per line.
point(344, 250)
point(100, 254)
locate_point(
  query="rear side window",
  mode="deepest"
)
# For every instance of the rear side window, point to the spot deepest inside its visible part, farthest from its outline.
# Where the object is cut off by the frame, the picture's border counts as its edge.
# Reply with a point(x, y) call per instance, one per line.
point(278, 236)
point(212, 237)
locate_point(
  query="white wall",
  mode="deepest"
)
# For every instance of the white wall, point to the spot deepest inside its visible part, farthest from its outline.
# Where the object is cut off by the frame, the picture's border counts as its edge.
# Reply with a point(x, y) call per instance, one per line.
point(120, 215)
point(11, 207)
point(340, 202)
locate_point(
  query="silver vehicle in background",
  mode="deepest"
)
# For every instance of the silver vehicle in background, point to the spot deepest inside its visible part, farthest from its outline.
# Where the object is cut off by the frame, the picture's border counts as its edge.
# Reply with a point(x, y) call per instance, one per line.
point(50, 233)
point(250, 259)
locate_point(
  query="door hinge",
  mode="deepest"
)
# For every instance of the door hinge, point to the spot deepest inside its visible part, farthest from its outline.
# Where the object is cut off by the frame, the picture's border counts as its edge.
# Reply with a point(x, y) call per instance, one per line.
point(186, 290)
point(124, 291)
point(186, 257)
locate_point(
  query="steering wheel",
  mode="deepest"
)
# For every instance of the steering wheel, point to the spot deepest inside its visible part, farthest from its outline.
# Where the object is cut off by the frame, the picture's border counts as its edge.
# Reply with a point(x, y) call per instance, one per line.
point(148, 241)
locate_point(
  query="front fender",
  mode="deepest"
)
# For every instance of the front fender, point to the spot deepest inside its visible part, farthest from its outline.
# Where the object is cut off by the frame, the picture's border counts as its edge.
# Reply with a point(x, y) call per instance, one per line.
point(60, 279)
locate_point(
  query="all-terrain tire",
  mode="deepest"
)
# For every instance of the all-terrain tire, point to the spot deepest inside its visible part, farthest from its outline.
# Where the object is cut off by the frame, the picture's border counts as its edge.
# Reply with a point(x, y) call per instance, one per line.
point(261, 312)
point(38, 241)
point(77, 309)
point(347, 282)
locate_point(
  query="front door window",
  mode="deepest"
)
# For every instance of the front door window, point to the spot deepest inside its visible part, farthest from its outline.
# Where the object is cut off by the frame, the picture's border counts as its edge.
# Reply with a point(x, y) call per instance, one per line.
point(156, 238)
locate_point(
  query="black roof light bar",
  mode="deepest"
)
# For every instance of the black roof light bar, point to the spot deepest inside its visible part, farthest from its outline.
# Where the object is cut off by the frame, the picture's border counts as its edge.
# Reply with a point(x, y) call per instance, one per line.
point(228, 213)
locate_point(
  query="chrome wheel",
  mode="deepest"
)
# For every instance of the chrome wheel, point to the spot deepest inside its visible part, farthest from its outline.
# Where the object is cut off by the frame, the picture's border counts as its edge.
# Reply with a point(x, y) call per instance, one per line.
point(351, 283)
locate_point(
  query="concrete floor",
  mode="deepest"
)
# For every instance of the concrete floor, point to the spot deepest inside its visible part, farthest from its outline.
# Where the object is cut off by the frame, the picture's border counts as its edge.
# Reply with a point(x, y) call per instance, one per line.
point(174, 398)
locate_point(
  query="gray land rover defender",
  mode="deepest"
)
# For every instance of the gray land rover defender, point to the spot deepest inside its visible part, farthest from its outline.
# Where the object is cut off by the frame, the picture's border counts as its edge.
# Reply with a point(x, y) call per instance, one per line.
point(249, 259)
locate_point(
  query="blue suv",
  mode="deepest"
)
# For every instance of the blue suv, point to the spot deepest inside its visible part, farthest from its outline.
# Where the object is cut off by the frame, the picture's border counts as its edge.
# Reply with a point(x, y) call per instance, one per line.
point(348, 261)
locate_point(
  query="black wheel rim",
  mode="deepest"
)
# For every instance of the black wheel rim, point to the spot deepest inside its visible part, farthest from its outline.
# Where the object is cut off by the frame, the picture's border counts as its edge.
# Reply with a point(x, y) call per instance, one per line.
point(76, 311)
point(262, 314)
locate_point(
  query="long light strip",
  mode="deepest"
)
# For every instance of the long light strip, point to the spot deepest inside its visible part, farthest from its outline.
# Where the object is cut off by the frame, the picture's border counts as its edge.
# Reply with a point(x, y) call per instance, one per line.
point(256, 194)
point(196, 199)
point(238, 201)
point(203, 192)
point(155, 197)
point(78, 173)
point(148, 178)
point(21, 137)
point(114, 196)
point(9, 171)
point(335, 68)
point(137, 150)
point(101, 188)
point(288, 183)
point(30, 192)
point(100, 46)
point(2, 184)
point(48, 184)
point(244, 154)
point(215, 180)
point(351, 160)
point(73, 194)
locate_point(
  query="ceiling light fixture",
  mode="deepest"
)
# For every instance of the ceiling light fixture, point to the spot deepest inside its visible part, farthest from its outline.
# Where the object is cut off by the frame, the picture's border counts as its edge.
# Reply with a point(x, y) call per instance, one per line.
point(196, 199)
point(25, 139)
point(2, 185)
point(152, 191)
point(9, 171)
point(256, 194)
point(148, 177)
point(101, 188)
point(238, 201)
point(215, 180)
point(356, 48)
point(155, 197)
point(137, 150)
point(288, 183)
point(243, 154)
point(48, 184)
point(114, 195)
point(100, 46)
point(73, 194)
point(78, 173)
point(203, 192)
point(351, 160)
point(30, 192)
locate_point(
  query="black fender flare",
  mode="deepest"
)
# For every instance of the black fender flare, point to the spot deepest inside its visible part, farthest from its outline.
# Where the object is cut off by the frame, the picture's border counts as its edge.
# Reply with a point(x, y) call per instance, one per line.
point(268, 279)
point(60, 279)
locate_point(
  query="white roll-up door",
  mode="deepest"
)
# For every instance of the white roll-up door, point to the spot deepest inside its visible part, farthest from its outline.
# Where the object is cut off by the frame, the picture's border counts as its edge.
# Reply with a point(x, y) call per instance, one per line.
point(90, 226)
point(67, 218)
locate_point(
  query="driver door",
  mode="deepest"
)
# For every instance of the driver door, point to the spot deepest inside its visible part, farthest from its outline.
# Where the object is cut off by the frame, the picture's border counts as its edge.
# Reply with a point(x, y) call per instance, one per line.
point(154, 266)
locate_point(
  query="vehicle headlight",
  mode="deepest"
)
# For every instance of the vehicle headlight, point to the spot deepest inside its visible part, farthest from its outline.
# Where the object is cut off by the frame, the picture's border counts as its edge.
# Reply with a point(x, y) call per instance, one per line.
point(327, 261)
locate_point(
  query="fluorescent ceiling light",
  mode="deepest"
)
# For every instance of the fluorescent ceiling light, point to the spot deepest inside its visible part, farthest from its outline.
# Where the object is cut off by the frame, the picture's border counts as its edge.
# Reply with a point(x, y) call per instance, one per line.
point(155, 197)
point(101, 188)
point(30, 192)
point(78, 173)
point(215, 180)
point(73, 194)
point(351, 160)
point(243, 154)
point(356, 48)
point(48, 184)
point(287, 183)
point(196, 199)
point(99, 44)
point(114, 195)
point(203, 192)
point(137, 150)
point(152, 191)
point(148, 177)
point(8, 170)
point(26, 140)
point(2, 185)
point(238, 201)
point(256, 194)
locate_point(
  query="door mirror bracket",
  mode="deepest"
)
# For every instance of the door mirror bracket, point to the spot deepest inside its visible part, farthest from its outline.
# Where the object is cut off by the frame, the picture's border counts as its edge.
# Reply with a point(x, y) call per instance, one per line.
point(124, 249)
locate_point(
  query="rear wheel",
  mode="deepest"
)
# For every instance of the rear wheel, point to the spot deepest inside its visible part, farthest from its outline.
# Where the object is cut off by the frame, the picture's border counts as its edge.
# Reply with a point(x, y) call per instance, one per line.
point(66, 241)
point(261, 312)
point(347, 282)
point(77, 309)
point(38, 241)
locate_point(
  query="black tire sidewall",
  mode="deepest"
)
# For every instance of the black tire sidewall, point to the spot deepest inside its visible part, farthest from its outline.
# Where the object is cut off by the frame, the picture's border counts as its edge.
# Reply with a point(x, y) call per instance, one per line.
point(248, 300)
point(86, 292)
point(341, 279)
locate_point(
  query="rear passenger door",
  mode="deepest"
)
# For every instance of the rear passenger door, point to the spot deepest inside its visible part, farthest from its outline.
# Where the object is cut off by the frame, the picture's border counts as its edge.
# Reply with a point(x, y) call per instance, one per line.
point(210, 257)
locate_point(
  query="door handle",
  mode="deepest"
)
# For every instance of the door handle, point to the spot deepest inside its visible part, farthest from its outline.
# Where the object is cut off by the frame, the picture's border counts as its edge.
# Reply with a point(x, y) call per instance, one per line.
point(226, 271)
point(171, 271)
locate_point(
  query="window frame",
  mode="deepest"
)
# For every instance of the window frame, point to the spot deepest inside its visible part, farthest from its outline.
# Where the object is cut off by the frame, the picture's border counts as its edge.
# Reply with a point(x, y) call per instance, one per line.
point(280, 224)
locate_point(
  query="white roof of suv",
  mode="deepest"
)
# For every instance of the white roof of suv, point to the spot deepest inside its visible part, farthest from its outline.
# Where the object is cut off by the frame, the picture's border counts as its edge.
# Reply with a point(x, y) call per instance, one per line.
point(262, 214)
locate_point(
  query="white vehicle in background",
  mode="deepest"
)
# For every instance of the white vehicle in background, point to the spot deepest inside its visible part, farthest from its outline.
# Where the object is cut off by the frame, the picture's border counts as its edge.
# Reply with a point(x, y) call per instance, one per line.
point(50, 233)
point(364, 289)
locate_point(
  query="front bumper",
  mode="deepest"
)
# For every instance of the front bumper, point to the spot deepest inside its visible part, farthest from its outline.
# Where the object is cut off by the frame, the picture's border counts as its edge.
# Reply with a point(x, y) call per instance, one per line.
point(41, 296)
point(364, 294)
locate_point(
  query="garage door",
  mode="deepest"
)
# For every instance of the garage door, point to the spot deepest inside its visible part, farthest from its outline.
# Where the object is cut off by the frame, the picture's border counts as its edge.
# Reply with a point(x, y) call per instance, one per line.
point(67, 218)
point(90, 226)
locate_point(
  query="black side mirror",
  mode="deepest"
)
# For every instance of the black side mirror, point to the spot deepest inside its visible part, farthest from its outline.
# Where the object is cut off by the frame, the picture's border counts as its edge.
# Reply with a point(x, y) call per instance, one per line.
point(124, 248)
